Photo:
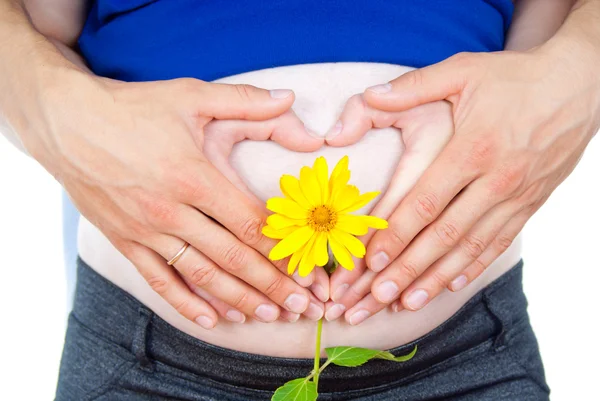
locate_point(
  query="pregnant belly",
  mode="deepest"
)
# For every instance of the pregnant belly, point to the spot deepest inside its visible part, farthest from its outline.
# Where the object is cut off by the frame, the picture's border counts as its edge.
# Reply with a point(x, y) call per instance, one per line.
point(321, 91)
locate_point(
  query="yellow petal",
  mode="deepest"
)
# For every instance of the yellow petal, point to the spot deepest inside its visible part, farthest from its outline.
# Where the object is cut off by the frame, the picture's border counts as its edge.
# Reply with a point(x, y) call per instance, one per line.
point(320, 250)
point(346, 197)
point(336, 185)
point(270, 232)
point(372, 221)
point(287, 208)
point(295, 259)
point(354, 225)
point(321, 172)
point(307, 263)
point(351, 243)
point(310, 186)
point(360, 202)
point(291, 243)
point(279, 222)
point(290, 187)
point(341, 254)
point(340, 167)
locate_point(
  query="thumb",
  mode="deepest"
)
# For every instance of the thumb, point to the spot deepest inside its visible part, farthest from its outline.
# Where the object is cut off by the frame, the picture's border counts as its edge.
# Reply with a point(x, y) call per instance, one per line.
point(237, 102)
point(441, 81)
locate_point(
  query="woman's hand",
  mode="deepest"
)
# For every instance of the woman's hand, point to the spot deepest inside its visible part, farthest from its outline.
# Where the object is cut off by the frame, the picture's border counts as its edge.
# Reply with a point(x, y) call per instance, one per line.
point(131, 157)
point(522, 122)
point(425, 131)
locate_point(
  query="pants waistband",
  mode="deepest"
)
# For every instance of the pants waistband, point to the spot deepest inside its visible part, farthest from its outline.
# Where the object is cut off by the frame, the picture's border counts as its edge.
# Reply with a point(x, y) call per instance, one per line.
point(117, 317)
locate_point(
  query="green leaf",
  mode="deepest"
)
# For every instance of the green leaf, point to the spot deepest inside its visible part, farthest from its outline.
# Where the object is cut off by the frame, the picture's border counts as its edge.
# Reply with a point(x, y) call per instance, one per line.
point(355, 356)
point(296, 390)
point(350, 356)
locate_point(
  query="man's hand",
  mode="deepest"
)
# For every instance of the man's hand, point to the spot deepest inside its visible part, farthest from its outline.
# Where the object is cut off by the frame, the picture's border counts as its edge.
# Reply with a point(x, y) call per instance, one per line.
point(131, 157)
point(522, 121)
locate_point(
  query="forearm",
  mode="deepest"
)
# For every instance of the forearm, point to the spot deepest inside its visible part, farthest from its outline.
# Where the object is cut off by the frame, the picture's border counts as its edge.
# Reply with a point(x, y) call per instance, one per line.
point(536, 21)
point(29, 64)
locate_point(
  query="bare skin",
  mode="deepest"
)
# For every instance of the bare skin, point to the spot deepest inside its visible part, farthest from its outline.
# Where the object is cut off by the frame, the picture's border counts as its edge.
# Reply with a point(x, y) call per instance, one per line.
point(151, 259)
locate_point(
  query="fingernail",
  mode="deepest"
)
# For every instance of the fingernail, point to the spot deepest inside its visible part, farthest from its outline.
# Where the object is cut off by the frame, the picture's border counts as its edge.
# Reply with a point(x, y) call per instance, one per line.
point(379, 262)
point(379, 89)
point(266, 313)
point(359, 317)
point(417, 299)
point(313, 312)
point(335, 131)
point(387, 291)
point(303, 281)
point(205, 322)
point(339, 292)
point(312, 133)
point(296, 303)
point(334, 312)
point(291, 317)
point(319, 292)
point(459, 283)
point(235, 316)
point(397, 306)
point(280, 93)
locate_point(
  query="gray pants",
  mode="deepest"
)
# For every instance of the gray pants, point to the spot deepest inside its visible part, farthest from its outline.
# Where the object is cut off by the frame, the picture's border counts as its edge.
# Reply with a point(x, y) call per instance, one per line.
point(117, 349)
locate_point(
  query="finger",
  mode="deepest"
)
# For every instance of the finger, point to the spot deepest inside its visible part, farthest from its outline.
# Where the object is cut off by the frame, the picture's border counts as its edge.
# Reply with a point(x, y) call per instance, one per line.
point(220, 136)
point(358, 118)
point(320, 285)
point(439, 275)
point(231, 102)
point(363, 310)
point(287, 130)
point(434, 242)
point(499, 245)
point(439, 81)
point(221, 307)
point(168, 284)
point(224, 249)
point(352, 295)
point(425, 131)
point(241, 215)
point(203, 273)
point(434, 190)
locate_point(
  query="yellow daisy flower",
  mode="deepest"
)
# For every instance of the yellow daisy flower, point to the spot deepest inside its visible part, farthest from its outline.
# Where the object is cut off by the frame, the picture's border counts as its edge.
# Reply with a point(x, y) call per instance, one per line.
point(314, 213)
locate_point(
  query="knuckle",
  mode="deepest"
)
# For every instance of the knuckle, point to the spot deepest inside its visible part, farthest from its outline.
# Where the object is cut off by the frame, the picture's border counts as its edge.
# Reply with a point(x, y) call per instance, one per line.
point(427, 207)
point(480, 154)
point(479, 267)
point(415, 78)
point(162, 214)
point(396, 236)
point(158, 284)
point(441, 279)
point(182, 306)
point(275, 286)
point(472, 246)
point(251, 231)
point(234, 257)
point(409, 269)
point(503, 242)
point(462, 58)
point(241, 302)
point(244, 92)
point(203, 275)
point(191, 187)
point(447, 233)
point(507, 180)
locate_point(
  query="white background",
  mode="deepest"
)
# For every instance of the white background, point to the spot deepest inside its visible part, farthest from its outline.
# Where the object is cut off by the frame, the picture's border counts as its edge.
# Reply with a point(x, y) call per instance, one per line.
point(562, 273)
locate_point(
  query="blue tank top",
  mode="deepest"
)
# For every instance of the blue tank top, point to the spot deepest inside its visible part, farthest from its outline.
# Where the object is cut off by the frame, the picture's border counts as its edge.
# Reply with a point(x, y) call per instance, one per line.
point(141, 40)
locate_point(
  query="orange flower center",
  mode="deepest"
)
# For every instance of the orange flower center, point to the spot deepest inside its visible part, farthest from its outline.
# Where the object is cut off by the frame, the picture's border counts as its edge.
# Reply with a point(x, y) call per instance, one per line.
point(322, 218)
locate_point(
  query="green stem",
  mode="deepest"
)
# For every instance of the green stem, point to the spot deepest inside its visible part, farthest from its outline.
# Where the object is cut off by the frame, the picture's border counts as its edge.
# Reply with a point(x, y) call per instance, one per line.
point(316, 370)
